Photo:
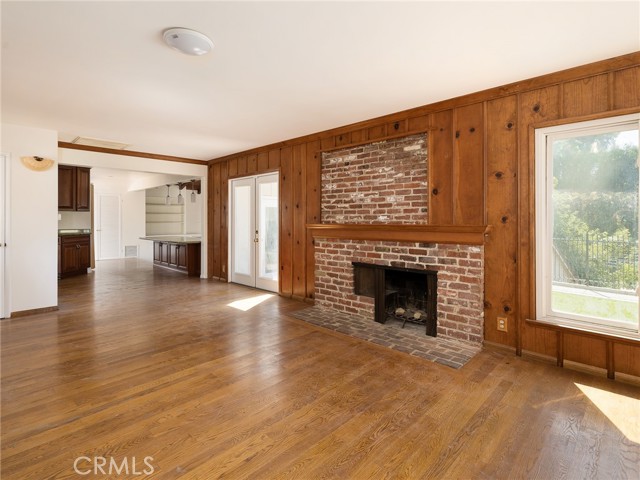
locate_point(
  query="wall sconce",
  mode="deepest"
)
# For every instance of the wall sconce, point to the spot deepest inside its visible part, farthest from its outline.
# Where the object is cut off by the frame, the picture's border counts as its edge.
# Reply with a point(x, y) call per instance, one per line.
point(37, 164)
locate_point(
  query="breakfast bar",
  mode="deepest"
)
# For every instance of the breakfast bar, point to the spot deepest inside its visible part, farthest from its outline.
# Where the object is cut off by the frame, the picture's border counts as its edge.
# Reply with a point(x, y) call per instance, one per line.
point(177, 252)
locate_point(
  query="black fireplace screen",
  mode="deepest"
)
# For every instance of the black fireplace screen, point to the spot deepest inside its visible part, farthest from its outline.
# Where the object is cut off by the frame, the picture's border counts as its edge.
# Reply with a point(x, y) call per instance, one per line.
point(406, 294)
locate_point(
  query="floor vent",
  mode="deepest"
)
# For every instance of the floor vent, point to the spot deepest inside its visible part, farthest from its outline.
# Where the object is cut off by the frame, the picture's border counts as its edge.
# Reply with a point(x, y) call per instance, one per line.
point(131, 251)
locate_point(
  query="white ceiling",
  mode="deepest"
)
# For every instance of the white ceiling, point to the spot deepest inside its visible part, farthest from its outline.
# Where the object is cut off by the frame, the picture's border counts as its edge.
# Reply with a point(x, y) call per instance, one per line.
point(278, 69)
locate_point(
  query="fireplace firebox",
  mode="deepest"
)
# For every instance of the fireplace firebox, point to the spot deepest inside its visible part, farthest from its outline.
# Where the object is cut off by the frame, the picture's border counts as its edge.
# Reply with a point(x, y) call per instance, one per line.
point(406, 294)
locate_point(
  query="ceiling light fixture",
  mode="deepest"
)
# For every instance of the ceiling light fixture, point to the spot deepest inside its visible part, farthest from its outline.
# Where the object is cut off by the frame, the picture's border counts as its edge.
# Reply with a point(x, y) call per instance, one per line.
point(167, 200)
point(187, 41)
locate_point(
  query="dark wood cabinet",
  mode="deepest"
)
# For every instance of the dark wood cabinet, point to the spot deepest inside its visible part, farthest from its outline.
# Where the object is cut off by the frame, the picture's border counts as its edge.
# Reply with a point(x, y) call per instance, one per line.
point(184, 257)
point(74, 255)
point(83, 189)
point(66, 187)
point(74, 188)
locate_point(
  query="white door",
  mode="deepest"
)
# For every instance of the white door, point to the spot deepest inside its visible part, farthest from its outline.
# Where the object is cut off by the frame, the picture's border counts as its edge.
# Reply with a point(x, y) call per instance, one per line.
point(107, 227)
point(254, 230)
point(3, 234)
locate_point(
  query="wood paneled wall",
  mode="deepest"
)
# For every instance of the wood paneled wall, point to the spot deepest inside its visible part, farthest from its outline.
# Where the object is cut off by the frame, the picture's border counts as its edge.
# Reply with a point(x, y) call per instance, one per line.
point(481, 172)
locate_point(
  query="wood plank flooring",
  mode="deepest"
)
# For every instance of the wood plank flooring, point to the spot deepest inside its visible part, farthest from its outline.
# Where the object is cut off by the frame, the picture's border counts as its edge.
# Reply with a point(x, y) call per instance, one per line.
point(142, 362)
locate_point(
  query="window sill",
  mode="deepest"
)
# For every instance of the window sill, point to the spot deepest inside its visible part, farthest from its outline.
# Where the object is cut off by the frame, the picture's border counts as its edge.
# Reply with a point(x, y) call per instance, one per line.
point(562, 325)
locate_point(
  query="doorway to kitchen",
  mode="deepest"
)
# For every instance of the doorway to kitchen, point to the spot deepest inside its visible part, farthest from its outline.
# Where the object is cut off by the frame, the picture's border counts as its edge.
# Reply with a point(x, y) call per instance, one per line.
point(254, 231)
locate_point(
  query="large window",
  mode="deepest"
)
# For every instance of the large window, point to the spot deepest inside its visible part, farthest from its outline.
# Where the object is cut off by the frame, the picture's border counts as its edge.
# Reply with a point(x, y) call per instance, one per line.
point(587, 225)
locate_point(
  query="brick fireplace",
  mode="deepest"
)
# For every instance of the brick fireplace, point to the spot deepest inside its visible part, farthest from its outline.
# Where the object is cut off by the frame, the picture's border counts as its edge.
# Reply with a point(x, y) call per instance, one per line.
point(375, 211)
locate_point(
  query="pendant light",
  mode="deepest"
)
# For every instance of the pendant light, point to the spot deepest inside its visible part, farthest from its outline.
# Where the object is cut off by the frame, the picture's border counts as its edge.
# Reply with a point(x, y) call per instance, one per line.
point(167, 200)
point(193, 192)
point(180, 197)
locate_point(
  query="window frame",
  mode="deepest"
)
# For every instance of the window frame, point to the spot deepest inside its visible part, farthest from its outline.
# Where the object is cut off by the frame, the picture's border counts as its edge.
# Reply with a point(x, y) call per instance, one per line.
point(544, 224)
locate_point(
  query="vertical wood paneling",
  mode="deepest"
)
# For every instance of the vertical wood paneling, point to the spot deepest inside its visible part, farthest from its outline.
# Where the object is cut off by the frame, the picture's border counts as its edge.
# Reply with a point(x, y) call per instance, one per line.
point(224, 220)
point(252, 164)
point(232, 167)
point(396, 128)
point(468, 165)
point(343, 139)
point(585, 96)
point(627, 359)
point(502, 194)
point(286, 221)
point(534, 107)
point(626, 88)
point(262, 162)
point(313, 165)
point(274, 159)
point(215, 221)
point(328, 143)
point(242, 166)
point(590, 351)
point(210, 208)
point(299, 220)
point(376, 133)
point(359, 136)
point(418, 123)
point(440, 167)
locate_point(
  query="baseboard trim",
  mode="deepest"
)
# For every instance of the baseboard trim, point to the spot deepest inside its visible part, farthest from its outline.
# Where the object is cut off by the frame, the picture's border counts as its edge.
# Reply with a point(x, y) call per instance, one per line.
point(34, 311)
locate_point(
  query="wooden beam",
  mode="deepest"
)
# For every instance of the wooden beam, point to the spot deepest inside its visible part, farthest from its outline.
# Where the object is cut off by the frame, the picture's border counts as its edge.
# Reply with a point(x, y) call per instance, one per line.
point(131, 153)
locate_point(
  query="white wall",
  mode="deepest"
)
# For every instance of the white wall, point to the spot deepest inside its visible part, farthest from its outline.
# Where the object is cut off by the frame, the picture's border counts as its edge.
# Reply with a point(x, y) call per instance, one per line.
point(139, 164)
point(132, 211)
point(192, 217)
point(33, 225)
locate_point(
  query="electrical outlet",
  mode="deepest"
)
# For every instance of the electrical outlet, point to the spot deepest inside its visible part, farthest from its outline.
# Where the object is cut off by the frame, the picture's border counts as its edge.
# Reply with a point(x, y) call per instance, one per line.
point(502, 324)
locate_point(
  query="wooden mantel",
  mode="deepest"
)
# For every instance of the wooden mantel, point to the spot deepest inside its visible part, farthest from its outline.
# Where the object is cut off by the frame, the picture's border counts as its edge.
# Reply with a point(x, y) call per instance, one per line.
point(465, 235)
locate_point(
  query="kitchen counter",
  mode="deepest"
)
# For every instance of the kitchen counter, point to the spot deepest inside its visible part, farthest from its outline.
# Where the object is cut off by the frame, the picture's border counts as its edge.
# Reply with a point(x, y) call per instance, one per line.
point(181, 239)
point(177, 252)
point(79, 231)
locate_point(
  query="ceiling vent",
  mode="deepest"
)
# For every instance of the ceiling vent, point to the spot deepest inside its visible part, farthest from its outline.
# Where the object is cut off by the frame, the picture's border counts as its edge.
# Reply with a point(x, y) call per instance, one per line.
point(95, 142)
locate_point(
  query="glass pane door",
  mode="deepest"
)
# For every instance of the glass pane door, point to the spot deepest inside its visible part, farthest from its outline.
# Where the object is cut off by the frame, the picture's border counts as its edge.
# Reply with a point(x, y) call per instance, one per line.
point(243, 231)
point(254, 231)
point(267, 210)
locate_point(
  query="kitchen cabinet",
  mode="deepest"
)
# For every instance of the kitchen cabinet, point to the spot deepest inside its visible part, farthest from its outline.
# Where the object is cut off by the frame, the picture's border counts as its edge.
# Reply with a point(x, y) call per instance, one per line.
point(74, 188)
point(74, 255)
point(181, 256)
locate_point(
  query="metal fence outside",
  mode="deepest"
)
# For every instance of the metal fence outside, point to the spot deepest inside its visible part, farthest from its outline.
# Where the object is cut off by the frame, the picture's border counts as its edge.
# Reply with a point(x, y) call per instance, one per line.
point(594, 260)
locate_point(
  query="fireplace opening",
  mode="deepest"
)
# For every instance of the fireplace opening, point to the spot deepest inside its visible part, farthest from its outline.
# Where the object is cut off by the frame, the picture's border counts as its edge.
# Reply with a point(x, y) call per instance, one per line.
point(405, 294)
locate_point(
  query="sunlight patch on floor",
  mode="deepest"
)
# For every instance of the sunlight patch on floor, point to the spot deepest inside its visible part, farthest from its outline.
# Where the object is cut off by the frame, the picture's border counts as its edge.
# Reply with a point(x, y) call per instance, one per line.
point(248, 303)
point(622, 411)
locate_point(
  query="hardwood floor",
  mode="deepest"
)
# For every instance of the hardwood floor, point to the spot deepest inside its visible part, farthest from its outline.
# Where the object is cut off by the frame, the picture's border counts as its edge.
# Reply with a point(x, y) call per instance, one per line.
point(150, 363)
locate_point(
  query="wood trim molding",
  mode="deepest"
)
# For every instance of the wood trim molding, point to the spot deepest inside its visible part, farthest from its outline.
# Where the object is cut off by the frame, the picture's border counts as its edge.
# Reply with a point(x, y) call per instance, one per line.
point(131, 153)
point(583, 333)
point(34, 311)
point(451, 234)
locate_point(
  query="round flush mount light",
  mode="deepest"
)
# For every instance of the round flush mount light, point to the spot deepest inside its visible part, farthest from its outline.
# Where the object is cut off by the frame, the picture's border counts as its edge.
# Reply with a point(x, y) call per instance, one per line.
point(187, 41)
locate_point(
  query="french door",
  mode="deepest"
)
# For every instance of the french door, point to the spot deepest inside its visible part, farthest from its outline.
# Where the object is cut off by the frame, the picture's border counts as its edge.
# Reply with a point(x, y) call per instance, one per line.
point(253, 231)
